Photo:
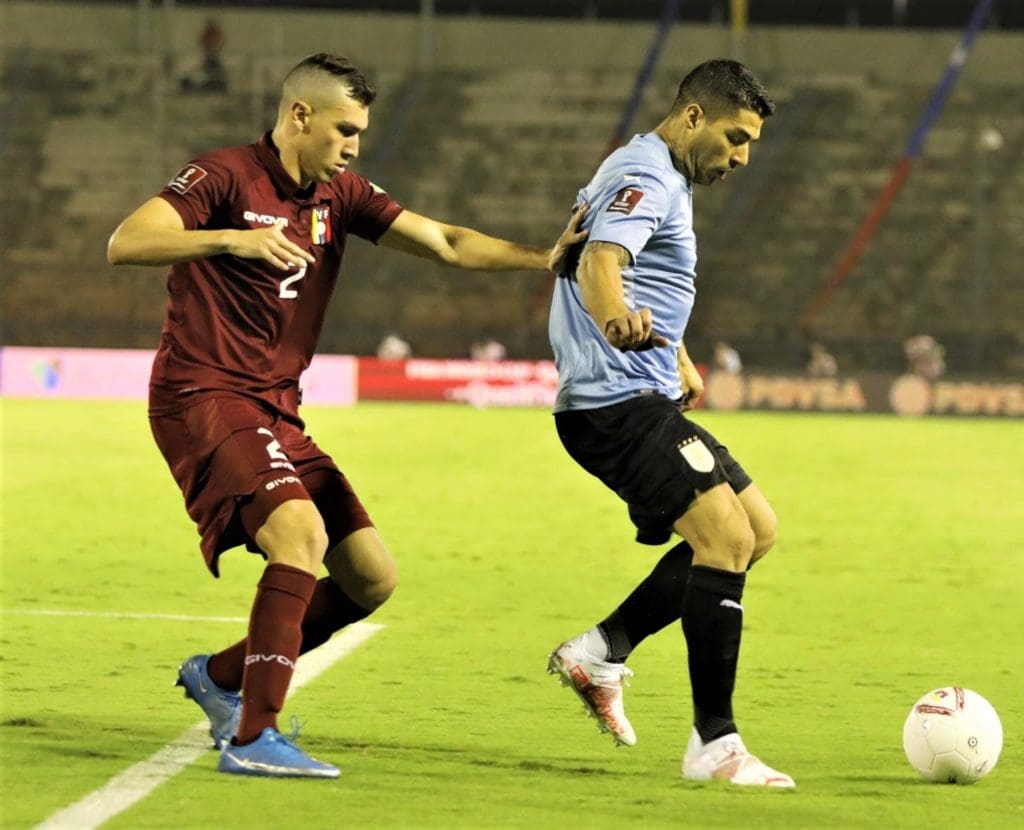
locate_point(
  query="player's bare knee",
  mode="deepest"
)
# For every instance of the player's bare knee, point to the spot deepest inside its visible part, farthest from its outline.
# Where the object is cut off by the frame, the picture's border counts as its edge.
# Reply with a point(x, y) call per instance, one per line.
point(294, 534)
point(759, 553)
point(374, 589)
point(729, 550)
point(719, 530)
point(368, 594)
point(762, 520)
point(380, 591)
point(363, 568)
point(738, 546)
point(764, 540)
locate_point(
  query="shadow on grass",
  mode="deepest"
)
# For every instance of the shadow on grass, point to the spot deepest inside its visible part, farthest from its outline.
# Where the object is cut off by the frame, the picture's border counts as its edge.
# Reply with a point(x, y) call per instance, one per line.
point(471, 757)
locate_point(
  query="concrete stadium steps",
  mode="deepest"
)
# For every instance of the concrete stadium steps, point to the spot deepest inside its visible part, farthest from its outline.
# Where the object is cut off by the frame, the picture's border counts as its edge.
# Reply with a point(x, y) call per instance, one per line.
point(505, 150)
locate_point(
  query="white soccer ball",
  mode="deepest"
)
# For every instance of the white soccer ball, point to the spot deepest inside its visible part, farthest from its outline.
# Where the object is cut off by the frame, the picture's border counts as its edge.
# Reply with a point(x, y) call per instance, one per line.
point(953, 736)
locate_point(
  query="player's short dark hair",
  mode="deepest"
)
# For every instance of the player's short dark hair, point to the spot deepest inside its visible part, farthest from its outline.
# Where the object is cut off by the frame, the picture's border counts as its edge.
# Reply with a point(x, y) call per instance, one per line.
point(722, 85)
point(341, 68)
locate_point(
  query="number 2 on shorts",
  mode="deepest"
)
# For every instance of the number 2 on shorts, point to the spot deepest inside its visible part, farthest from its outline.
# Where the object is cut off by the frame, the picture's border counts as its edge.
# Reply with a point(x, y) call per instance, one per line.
point(273, 446)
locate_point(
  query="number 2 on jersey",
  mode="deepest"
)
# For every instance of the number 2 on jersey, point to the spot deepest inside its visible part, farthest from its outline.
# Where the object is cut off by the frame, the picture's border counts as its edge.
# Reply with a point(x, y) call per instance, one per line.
point(286, 291)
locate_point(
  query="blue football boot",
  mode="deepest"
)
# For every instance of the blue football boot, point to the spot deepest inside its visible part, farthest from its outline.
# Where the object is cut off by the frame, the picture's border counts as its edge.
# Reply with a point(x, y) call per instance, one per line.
point(273, 755)
point(223, 708)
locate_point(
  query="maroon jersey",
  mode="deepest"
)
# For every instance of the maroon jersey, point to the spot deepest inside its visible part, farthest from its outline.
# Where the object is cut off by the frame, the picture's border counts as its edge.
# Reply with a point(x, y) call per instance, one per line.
point(243, 325)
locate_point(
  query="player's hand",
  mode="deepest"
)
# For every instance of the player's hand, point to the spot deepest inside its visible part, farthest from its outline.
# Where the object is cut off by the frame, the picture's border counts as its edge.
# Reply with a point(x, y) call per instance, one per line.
point(270, 245)
point(572, 235)
point(633, 331)
point(691, 383)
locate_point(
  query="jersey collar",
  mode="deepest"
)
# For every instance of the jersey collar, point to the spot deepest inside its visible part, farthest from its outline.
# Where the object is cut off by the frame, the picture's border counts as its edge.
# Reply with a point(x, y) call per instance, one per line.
point(659, 142)
point(270, 158)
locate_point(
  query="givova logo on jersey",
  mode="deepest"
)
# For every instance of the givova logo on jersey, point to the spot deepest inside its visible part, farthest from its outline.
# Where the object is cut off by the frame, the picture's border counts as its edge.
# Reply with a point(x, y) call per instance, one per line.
point(320, 227)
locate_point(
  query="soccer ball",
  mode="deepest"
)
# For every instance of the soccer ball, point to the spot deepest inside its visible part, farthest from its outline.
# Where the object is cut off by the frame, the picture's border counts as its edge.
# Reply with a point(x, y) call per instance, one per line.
point(953, 736)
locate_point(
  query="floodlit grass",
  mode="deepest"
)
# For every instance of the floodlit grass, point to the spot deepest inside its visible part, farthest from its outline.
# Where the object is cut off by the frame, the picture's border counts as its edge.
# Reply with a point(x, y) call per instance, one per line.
point(897, 570)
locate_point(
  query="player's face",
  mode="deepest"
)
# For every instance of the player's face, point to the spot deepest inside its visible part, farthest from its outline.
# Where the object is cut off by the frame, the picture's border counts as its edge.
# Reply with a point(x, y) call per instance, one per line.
point(722, 145)
point(331, 138)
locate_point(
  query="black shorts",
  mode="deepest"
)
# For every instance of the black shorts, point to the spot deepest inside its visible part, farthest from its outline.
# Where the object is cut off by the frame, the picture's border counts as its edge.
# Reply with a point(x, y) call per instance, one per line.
point(653, 456)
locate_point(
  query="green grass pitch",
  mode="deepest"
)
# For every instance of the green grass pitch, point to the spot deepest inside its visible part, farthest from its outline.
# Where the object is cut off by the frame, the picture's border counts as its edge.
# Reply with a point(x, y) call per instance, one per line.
point(897, 570)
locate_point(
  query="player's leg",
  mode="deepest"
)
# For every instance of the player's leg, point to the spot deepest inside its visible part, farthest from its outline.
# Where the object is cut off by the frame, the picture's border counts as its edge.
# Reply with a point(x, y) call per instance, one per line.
point(362, 576)
point(655, 455)
point(188, 441)
point(629, 447)
point(239, 485)
point(593, 662)
point(294, 540)
point(268, 506)
point(654, 604)
point(712, 615)
point(364, 568)
point(755, 505)
point(762, 520)
point(362, 573)
point(657, 602)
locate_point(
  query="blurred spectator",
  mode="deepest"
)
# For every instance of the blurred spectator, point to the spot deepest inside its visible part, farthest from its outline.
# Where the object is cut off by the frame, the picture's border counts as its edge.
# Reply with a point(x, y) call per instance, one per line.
point(1014, 362)
point(925, 356)
point(727, 358)
point(821, 364)
point(393, 347)
point(487, 350)
point(211, 76)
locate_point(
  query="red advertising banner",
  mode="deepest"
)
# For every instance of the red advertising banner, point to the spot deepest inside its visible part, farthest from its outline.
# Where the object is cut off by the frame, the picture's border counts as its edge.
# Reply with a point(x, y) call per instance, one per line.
point(476, 382)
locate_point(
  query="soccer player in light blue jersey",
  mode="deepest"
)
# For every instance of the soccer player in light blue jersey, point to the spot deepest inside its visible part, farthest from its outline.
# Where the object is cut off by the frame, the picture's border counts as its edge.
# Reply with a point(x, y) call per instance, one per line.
point(618, 318)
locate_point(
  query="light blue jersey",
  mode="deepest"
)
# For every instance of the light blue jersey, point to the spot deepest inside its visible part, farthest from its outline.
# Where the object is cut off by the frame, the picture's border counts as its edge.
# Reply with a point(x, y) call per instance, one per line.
point(640, 201)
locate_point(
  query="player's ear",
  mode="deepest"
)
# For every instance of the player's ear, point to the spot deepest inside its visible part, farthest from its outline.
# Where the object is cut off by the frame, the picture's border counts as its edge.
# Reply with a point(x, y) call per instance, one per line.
point(301, 113)
point(693, 115)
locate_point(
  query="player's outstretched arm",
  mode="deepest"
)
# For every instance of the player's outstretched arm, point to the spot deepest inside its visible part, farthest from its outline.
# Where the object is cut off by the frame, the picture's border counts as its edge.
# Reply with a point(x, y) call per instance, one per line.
point(466, 248)
point(154, 234)
point(600, 279)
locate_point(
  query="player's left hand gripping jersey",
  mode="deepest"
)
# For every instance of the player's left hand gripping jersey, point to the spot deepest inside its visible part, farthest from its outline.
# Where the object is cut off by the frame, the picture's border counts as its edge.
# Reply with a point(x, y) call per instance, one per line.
point(243, 325)
point(640, 201)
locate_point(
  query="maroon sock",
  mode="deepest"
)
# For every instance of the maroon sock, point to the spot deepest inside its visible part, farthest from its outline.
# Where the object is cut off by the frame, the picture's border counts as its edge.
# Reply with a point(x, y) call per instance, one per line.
point(226, 667)
point(275, 633)
point(330, 610)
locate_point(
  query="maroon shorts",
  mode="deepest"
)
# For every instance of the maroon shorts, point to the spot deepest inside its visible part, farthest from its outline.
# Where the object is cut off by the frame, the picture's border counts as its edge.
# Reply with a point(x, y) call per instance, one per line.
point(236, 461)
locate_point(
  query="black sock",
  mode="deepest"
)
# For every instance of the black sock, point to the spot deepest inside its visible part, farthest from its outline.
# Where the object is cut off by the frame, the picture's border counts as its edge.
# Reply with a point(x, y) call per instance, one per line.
point(712, 623)
point(654, 603)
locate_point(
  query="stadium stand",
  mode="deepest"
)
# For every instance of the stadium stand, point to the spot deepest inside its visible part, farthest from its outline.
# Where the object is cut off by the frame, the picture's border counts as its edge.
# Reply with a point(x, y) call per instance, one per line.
point(505, 150)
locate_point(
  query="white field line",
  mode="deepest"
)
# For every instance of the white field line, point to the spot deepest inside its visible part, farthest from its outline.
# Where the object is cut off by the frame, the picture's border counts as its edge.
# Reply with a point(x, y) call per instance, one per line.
point(115, 615)
point(138, 781)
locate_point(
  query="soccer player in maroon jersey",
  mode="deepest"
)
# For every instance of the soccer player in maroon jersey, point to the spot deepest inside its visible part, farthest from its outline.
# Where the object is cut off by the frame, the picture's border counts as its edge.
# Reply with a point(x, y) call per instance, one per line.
point(254, 236)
